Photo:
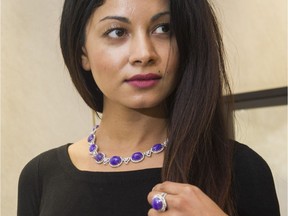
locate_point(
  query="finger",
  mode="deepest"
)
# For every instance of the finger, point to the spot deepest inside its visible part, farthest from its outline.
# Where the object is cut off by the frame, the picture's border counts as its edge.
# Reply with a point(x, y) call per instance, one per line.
point(179, 194)
point(153, 212)
point(153, 193)
point(150, 196)
point(174, 188)
point(173, 202)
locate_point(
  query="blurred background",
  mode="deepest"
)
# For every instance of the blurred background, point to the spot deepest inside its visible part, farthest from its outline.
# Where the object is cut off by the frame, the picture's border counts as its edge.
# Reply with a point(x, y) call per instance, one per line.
point(40, 109)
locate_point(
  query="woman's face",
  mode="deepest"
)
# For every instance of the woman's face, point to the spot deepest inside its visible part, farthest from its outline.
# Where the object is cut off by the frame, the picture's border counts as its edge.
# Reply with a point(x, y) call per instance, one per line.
point(131, 53)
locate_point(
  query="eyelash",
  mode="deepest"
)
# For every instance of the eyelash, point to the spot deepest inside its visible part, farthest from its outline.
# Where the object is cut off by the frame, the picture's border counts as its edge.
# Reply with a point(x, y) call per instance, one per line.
point(124, 31)
point(165, 25)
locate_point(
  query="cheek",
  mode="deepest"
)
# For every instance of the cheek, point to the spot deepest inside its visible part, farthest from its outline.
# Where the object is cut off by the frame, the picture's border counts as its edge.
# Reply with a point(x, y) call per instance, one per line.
point(105, 63)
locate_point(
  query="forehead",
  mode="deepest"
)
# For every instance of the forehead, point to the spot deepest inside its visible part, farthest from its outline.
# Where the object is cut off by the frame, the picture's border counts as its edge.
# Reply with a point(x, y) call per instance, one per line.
point(131, 8)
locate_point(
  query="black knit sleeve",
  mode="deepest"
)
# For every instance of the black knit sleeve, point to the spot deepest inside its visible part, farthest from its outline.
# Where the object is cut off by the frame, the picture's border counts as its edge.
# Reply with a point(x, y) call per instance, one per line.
point(29, 192)
point(253, 184)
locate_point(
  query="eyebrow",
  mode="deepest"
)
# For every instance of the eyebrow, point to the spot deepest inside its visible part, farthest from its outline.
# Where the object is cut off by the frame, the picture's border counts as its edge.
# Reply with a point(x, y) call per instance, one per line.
point(126, 20)
point(119, 18)
point(157, 16)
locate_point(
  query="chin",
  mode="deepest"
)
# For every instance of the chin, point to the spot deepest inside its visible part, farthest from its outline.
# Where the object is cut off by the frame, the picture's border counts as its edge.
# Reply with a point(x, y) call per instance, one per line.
point(150, 105)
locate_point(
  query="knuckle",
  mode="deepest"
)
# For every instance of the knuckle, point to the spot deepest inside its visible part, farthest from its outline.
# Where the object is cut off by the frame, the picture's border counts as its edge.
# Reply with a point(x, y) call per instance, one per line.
point(165, 184)
point(191, 189)
point(188, 188)
point(195, 189)
point(162, 186)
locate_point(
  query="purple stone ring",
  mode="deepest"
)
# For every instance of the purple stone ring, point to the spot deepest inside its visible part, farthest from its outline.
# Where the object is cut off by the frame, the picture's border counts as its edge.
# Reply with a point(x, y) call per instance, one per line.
point(159, 202)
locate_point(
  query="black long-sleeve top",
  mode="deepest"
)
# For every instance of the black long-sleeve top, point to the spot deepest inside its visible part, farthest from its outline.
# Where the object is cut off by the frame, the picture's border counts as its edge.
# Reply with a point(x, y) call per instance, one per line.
point(50, 185)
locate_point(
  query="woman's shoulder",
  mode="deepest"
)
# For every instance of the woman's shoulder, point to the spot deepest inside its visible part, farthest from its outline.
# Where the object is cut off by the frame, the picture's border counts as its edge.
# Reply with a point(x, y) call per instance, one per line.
point(253, 182)
point(244, 155)
point(249, 165)
point(44, 160)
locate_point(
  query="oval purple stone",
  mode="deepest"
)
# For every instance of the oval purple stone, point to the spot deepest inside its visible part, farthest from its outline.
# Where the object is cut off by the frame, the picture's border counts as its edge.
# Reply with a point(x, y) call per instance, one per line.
point(157, 148)
point(99, 157)
point(137, 157)
point(91, 137)
point(115, 161)
point(92, 148)
point(157, 203)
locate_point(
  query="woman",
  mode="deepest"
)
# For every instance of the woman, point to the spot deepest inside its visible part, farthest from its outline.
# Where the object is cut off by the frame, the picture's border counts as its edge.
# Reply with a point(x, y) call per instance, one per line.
point(155, 71)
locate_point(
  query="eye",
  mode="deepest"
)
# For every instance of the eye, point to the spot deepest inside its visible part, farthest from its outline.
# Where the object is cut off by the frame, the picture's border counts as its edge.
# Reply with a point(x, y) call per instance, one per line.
point(116, 33)
point(162, 29)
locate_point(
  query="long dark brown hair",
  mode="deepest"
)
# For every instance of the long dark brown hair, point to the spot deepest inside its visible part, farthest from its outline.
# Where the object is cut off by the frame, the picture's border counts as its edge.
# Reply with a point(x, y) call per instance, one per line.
point(199, 151)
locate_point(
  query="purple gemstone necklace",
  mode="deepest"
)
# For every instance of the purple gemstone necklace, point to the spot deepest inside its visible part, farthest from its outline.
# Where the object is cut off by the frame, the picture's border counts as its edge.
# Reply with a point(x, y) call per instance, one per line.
point(117, 161)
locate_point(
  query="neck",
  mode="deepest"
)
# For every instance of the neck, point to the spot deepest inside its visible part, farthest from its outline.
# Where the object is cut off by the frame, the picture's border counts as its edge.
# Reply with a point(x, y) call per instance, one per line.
point(131, 130)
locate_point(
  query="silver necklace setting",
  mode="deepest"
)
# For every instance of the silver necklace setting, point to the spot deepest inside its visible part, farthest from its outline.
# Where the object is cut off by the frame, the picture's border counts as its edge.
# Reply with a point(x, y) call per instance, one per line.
point(116, 161)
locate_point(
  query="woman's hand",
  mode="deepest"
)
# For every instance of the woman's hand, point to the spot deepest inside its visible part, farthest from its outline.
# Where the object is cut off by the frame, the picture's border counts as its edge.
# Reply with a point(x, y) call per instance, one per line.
point(184, 200)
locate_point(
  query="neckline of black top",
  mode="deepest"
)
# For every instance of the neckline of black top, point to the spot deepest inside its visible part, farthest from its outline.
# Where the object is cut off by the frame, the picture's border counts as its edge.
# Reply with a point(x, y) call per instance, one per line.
point(133, 177)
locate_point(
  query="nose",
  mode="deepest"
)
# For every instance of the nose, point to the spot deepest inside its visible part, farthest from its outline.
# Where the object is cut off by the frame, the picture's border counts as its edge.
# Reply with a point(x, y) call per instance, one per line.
point(142, 50)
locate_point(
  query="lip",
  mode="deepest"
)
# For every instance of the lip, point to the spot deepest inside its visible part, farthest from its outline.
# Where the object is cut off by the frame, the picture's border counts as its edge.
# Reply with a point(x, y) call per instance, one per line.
point(148, 76)
point(144, 80)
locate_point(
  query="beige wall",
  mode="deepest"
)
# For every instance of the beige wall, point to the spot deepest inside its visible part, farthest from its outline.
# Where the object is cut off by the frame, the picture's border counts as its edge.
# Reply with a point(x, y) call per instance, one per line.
point(41, 109)
point(255, 34)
